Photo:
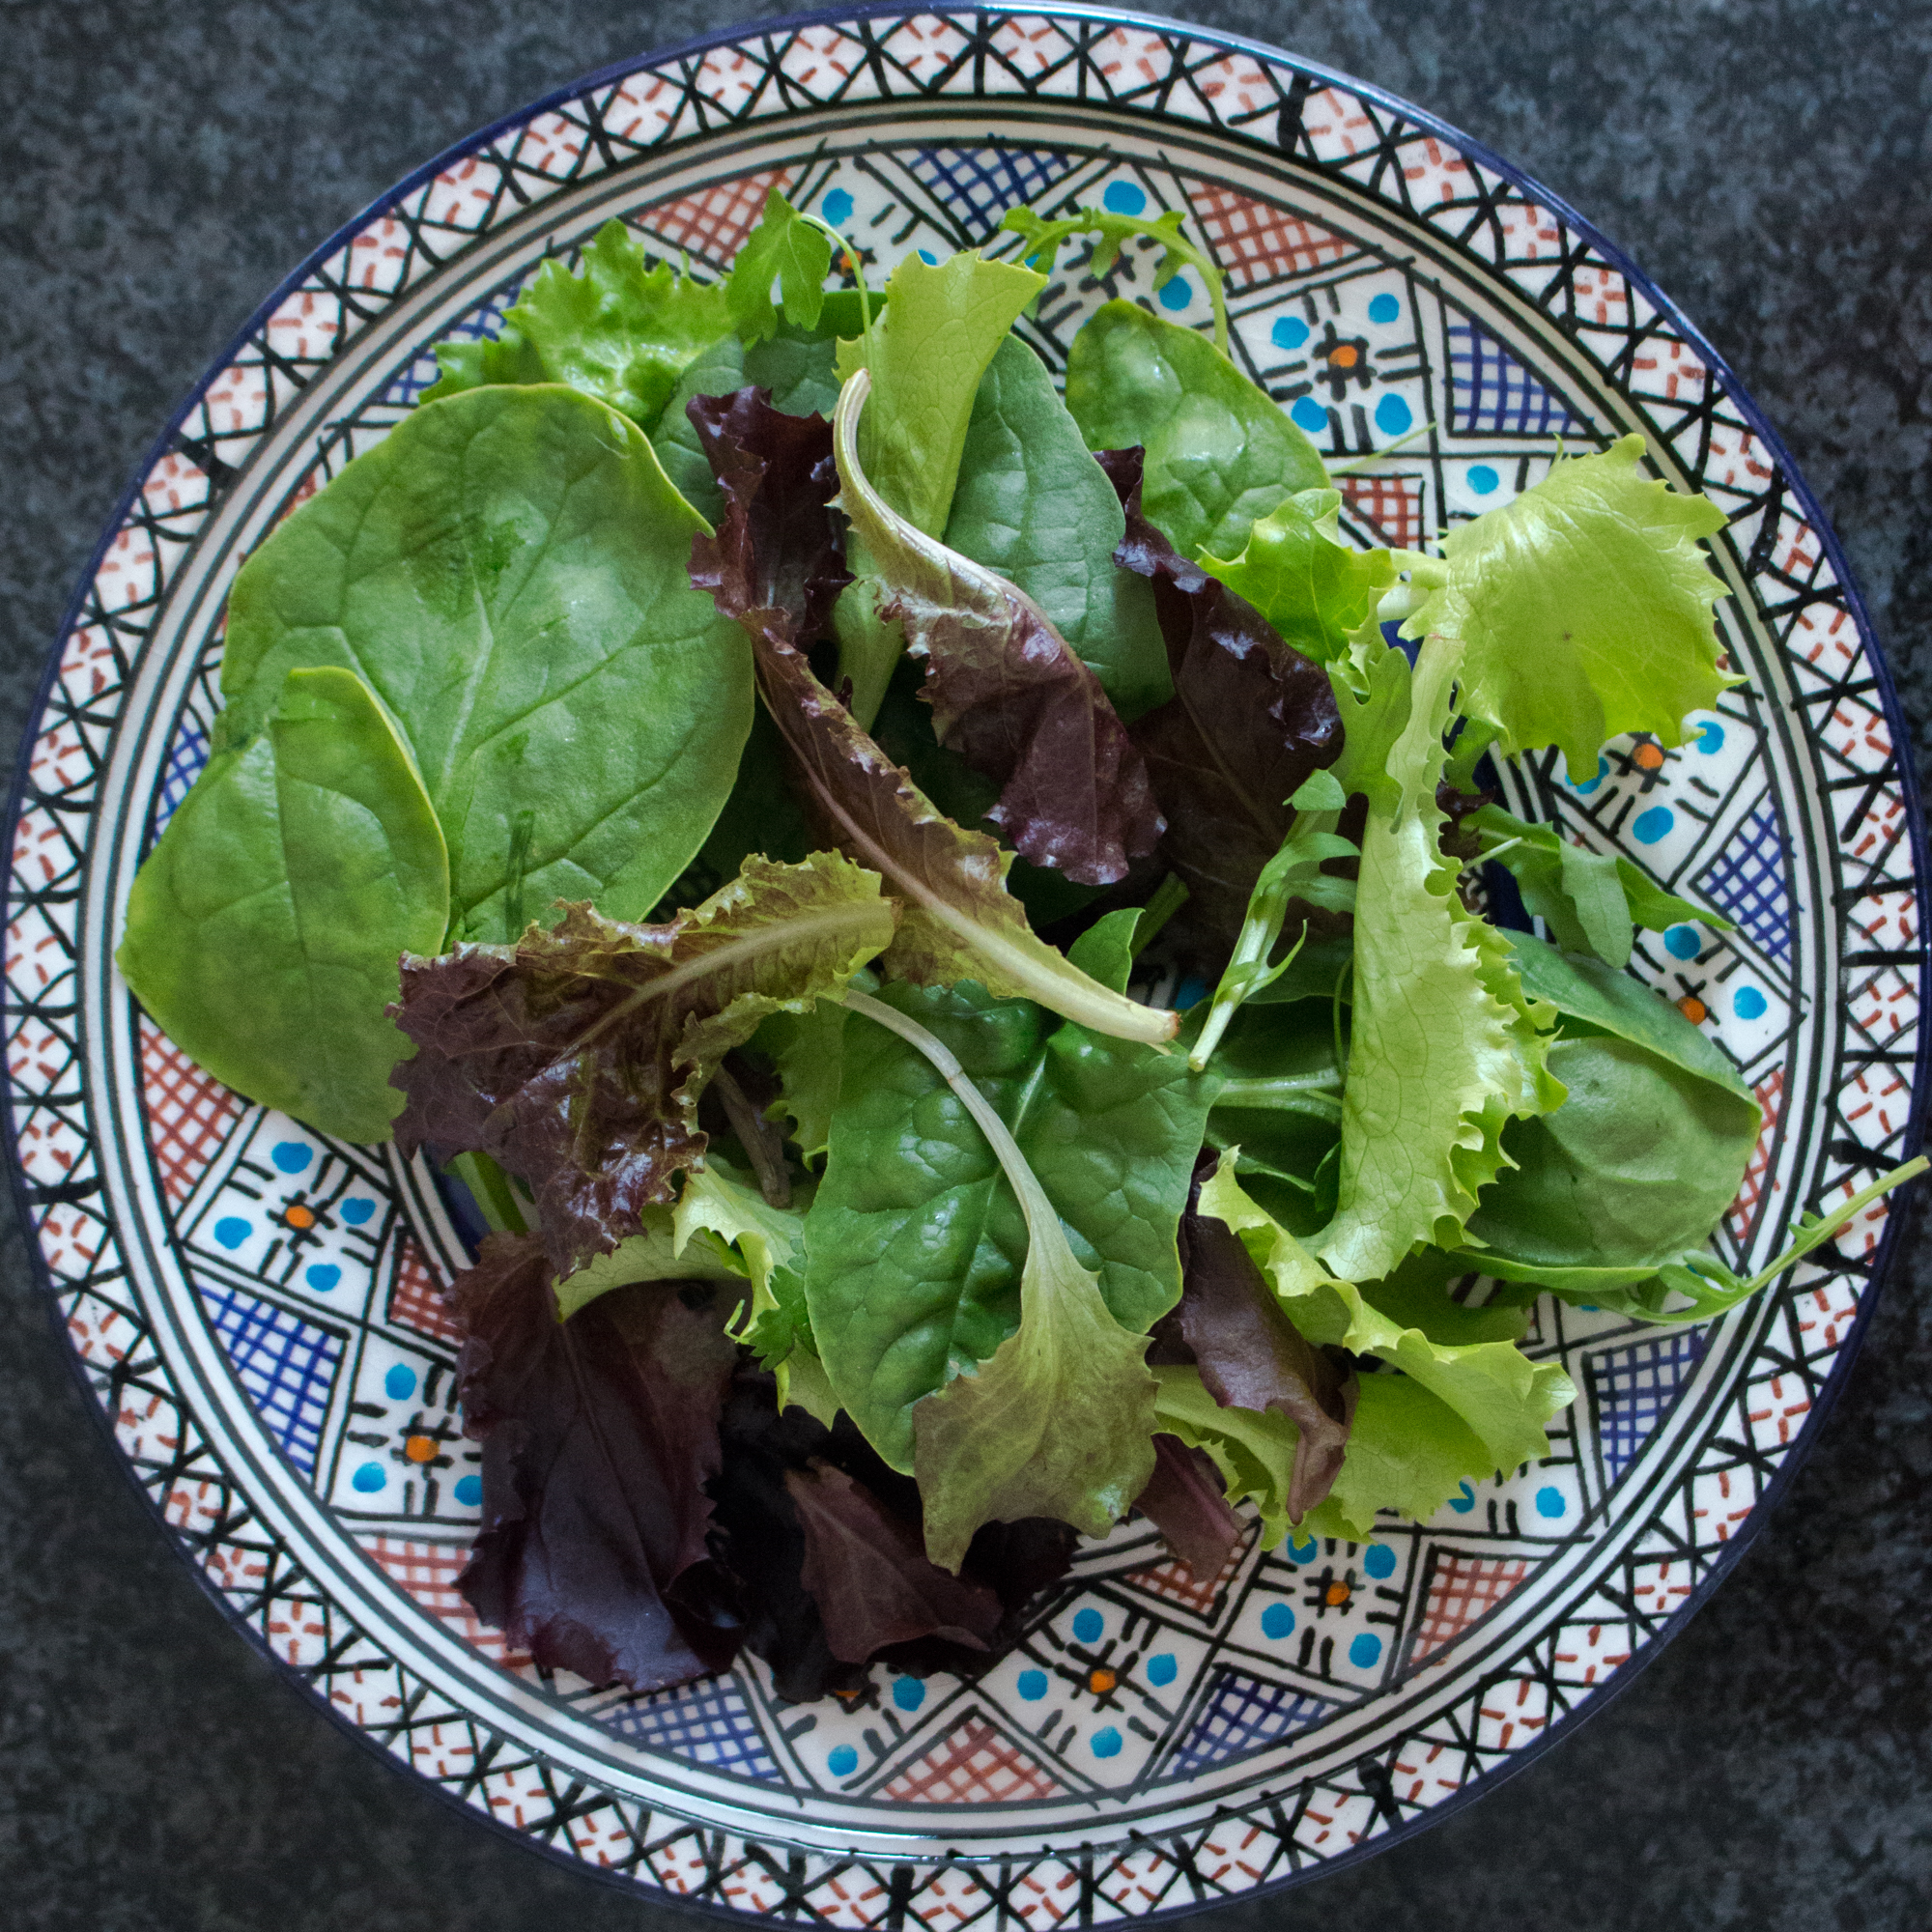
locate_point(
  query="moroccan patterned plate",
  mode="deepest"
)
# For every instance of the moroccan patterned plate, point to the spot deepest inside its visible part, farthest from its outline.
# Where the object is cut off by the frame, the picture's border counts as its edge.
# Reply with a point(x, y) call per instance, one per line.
point(256, 1308)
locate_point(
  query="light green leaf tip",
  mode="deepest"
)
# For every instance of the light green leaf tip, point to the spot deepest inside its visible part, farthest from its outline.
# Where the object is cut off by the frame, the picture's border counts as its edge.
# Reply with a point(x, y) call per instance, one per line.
point(1584, 608)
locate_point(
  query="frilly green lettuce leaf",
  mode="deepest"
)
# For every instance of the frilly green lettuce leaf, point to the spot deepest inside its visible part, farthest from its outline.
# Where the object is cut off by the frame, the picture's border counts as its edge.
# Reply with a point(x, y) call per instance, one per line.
point(767, 1243)
point(1584, 608)
point(1253, 1449)
point(617, 329)
point(1409, 1452)
point(653, 1253)
point(1296, 570)
point(1444, 1046)
point(1501, 1396)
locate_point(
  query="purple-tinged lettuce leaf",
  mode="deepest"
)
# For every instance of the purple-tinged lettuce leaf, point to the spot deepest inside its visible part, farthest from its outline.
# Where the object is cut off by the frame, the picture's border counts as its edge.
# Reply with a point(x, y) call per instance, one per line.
point(1183, 1500)
point(575, 1059)
point(869, 1576)
point(1250, 719)
point(1252, 1356)
point(1006, 691)
point(598, 1436)
point(766, 567)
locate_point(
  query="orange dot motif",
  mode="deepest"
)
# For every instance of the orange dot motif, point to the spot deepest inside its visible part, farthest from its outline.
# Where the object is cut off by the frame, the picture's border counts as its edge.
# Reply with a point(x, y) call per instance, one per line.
point(299, 1216)
point(1100, 1682)
point(1692, 1008)
point(1345, 356)
point(1649, 756)
point(1338, 1595)
point(420, 1448)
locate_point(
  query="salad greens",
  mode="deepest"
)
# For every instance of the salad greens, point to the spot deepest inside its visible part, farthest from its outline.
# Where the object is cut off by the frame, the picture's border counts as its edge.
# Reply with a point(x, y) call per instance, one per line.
point(803, 766)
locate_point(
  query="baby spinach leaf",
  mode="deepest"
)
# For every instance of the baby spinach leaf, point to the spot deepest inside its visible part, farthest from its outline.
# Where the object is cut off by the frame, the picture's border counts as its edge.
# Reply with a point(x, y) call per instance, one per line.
point(264, 929)
point(1503, 1397)
point(915, 1243)
point(799, 370)
point(1248, 722)
point(1033, 505)
point(787, 249)
point(1303, 579)
point(1591, 901)
point(1637, 1165)
point(1220, 453)
point(1007, 692)
point(598, 1436)
point(718, 371)
point(616, 330)
point(508, 572)
point(770, 566)
point(1592, 998)
point(575, 1058)
point(1584, 608)
point(1444, 1045)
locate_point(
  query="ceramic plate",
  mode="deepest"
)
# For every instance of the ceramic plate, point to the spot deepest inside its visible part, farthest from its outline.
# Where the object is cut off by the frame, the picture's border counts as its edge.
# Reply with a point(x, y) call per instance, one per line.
point(256, 1308)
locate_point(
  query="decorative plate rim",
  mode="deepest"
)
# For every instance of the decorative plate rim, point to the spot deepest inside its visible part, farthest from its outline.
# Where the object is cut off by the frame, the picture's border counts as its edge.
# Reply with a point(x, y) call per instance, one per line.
point(1482, 1781)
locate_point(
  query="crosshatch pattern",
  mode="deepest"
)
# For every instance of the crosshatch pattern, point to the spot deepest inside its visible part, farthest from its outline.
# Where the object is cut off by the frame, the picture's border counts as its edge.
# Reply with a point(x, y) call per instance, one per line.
point(1310, 1699)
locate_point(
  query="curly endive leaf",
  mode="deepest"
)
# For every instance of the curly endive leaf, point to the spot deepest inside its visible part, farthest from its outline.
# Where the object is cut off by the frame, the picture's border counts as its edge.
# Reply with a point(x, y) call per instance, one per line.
point(1007, 692)
point(1303, 579)
point(765, 567)
point(617, 329)
point(1445, 1046)
point(575, 1059)
point(1505, 1399)
point(1584, 608)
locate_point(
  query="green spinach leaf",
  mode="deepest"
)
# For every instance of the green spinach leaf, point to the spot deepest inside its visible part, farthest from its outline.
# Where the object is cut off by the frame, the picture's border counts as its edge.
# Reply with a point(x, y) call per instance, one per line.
point(1220, 453)
point(263, 930)
point(915, 1243)
point(1033, 505)
point(508, 571)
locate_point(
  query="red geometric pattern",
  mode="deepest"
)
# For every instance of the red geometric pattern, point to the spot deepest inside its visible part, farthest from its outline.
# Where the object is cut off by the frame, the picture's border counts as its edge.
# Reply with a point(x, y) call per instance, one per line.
point(428, 1572)
point(973, 1764)
point(714, 221)
point(1256, 242)
point(415, 1298)
point(1461, 1589)
point(189, 1114)
point(1770, 1093)
point(1174, 1582)
point(1391, 506)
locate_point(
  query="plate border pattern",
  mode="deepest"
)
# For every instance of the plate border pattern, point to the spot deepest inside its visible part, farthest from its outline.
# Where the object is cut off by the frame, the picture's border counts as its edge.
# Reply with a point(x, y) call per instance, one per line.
point(1297, 115)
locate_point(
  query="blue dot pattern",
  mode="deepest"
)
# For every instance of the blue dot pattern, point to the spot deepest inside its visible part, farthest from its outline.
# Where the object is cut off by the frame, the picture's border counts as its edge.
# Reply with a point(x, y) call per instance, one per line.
point(841, 1761)
point(400, 1384)
point(1749, 1004)
point(908, 1693)
point(470, 1491)
point(1123, 198)
point(356, 1210)
point(322, 1276)
point(1088, 1624)
point(231, 1230)
point(1379, 1561)
point(370, 1477)
point(1393, 416)
point(1365, 1650)
point(1107, 1742)
point(836, 207)
point(1683, 941)
point(1551, 1502)
point(1310, 416)
point(1384, 308)
point(1277, 1621)
point(1483, 480)
point(1178, 294)
point(1290, 332)
point(291, 1157)
point(1648, 826)
point(1031, 1684)
point(1162, 1668)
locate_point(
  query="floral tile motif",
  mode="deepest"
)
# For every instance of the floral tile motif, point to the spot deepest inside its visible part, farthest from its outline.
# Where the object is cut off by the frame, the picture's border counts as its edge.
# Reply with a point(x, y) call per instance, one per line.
point(259, 1310)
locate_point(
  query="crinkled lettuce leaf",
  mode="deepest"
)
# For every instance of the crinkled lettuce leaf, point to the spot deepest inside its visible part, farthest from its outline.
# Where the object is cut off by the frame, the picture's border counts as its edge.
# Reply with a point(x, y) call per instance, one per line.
point(1445, 1046)
point(1505, 1399)
point(575, 1059)
point(1584, 608)
point(1296, 570)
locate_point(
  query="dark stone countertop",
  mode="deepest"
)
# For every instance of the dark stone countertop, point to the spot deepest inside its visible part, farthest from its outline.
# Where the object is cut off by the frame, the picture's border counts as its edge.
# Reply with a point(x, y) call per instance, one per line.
point(1765, 159)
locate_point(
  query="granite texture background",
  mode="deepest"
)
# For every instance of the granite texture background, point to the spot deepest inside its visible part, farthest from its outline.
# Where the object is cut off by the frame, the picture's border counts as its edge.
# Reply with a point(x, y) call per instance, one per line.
point(1765, 159)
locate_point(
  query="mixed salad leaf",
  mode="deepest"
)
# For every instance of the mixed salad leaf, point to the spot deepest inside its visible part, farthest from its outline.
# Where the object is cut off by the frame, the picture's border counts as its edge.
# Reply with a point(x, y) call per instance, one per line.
point(942, 928)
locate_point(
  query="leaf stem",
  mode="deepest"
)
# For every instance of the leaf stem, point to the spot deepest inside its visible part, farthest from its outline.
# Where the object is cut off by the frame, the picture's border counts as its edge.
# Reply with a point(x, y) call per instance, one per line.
point(1042, 1223)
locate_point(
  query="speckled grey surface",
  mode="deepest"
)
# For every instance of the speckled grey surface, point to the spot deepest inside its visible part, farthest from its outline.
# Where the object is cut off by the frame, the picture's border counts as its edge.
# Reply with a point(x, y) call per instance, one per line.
point(165, 164)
